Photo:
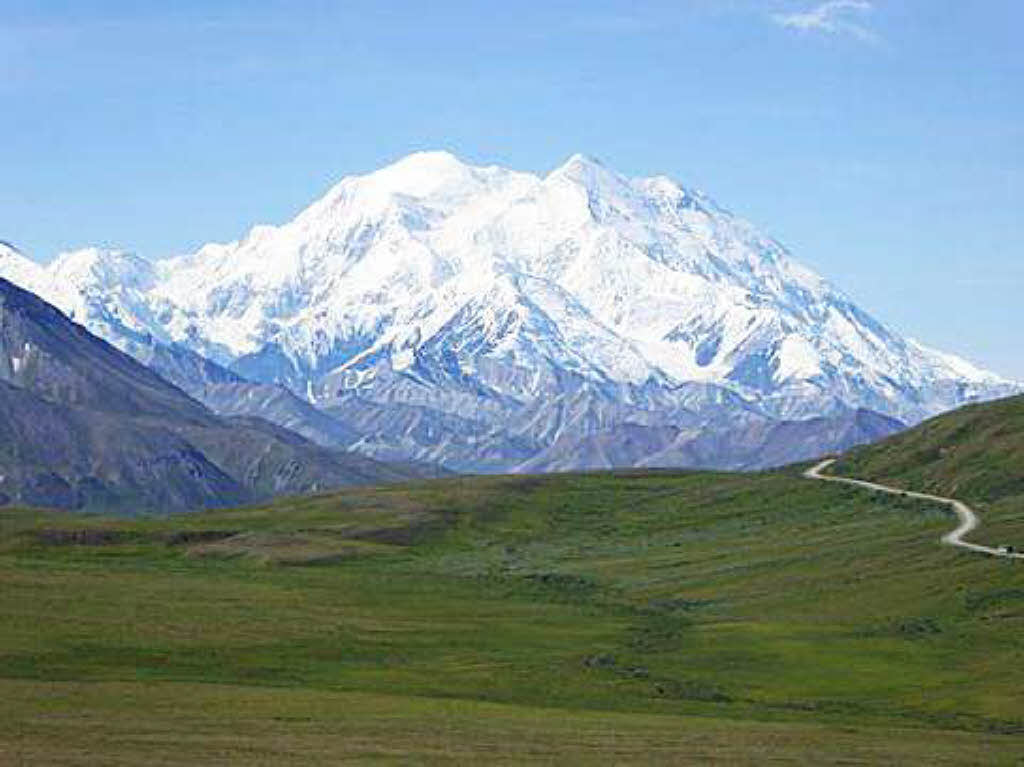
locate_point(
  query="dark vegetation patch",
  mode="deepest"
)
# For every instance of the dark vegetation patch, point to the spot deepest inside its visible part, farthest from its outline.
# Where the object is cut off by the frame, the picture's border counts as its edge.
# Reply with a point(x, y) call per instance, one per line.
point(188, 537)
point(691, 689)
point(563, 582)
point(679, 604)
point(85, 537)
point(660, 633)
point(524, 483)
point(601, 660)
point(976, 601)
point(904, 628)
point(1002, 486)
point(607, 662)
point(285, 548)
point(663, 687)
point(554, 586)
point(320, 560)
point(412, 534)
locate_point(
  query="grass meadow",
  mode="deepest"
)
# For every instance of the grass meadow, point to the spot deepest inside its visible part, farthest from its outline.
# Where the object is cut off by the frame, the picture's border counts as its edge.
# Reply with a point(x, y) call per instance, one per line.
point(625, 617)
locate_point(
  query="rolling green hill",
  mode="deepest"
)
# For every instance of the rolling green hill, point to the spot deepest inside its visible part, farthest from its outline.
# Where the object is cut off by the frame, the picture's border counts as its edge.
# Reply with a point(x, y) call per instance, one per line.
point(644, 617)
point(975, 453)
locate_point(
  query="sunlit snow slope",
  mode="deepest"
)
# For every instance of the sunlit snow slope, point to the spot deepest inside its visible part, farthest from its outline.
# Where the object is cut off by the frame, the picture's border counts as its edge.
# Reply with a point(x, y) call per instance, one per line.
point(447, 312)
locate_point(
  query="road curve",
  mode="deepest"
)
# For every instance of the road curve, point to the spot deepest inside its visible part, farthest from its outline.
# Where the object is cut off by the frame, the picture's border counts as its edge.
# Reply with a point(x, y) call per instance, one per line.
point(968, 519)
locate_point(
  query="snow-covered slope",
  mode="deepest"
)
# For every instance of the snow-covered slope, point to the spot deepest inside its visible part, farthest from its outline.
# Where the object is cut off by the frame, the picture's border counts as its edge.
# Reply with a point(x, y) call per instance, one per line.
point(536, 308)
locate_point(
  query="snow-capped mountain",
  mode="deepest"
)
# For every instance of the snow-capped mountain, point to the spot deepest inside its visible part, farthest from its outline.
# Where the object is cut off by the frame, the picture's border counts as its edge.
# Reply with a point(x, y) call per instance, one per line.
point(478, 315)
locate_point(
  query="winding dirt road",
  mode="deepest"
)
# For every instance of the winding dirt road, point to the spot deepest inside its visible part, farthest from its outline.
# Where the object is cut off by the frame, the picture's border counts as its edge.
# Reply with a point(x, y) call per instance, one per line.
point(968, 519)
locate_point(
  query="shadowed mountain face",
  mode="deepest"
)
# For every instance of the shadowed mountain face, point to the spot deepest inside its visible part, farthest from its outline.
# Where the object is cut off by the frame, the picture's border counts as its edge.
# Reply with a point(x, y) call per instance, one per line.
point(75, 458)
point(756, 443)
point(59, 361)
point(84, 426)
point(228, 394)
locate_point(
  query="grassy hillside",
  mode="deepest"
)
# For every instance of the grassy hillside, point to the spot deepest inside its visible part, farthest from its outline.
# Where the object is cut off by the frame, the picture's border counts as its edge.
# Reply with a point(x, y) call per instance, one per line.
point(639, 617)
point(975, 453)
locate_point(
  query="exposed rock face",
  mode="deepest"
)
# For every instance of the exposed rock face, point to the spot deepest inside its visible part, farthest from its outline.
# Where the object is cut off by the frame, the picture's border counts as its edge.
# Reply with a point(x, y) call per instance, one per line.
point(84, 426)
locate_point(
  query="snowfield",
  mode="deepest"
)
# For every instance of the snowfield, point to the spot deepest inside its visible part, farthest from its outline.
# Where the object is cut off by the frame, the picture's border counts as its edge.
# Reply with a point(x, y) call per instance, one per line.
point(488, 306)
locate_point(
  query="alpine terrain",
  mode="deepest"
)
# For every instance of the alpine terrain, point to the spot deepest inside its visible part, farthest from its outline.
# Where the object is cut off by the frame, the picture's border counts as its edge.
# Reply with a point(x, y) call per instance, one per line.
point(84, 426)
point(492, 320)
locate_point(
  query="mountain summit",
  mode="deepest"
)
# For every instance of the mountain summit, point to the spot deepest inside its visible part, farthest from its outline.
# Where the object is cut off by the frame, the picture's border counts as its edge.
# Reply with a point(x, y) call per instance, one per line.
point(481, 316)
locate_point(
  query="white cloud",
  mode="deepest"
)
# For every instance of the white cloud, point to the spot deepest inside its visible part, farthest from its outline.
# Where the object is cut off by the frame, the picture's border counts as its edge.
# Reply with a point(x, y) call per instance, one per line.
point(835, 17)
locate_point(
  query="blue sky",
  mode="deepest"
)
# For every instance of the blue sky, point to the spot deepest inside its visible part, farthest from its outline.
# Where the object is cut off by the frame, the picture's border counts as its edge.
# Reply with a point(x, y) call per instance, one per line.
point(881, 140)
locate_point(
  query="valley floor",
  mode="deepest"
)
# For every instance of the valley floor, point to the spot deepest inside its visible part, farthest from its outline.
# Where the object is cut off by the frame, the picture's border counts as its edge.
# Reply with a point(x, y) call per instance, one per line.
point(631, 617)
point(116, 723)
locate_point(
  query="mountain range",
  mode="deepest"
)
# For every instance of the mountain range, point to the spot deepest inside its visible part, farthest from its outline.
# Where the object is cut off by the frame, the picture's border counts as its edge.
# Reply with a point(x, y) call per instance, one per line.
point(486, 319)
point(85, 426)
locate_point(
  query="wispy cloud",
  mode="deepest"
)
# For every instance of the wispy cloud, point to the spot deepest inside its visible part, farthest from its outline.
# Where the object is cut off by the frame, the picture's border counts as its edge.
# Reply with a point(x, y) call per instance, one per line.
point(834, 17)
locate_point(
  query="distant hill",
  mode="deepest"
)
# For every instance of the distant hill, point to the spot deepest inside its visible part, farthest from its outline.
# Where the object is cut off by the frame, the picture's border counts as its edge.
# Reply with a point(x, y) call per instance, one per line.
point(752, 444)
point(975, 453)
point(84, 426)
